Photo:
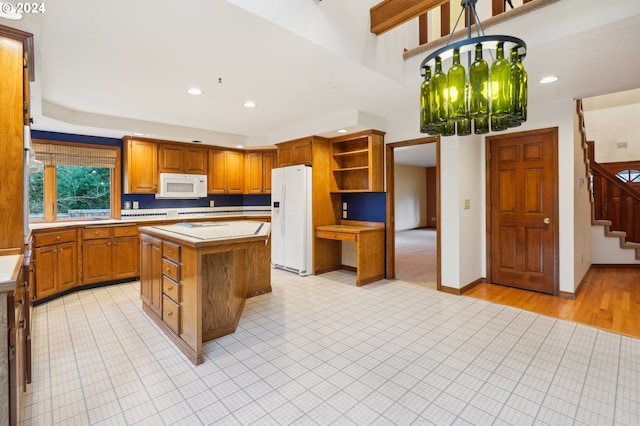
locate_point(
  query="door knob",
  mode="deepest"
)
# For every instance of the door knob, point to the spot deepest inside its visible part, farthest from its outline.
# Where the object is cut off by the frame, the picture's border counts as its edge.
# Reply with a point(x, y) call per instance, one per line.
point(547, 221)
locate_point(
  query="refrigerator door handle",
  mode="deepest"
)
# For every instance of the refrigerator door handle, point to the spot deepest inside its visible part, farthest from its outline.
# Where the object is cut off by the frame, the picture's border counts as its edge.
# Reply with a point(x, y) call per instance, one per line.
point(284, 206)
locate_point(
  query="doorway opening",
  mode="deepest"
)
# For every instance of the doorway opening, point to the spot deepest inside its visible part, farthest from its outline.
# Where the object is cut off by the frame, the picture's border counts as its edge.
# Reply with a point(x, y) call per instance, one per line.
point(413, 234)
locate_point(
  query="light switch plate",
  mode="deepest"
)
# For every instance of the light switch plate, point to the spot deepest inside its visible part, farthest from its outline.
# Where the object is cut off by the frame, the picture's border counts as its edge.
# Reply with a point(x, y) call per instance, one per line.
point(467, 204)
point(344, 214)
point(136, 205)
point(212, 203)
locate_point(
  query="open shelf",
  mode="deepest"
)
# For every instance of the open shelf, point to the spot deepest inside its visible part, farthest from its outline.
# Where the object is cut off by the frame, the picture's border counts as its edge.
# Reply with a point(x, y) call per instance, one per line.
point(357, 162)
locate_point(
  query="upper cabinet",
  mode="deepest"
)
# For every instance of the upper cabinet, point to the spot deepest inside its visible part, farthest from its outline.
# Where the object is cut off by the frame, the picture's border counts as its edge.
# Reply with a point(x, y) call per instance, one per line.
point(257, 171)
point(15, 52)
point(357, 162)
point(225, 172)
point(182, 158)
point(292, 153)
point(141, 166)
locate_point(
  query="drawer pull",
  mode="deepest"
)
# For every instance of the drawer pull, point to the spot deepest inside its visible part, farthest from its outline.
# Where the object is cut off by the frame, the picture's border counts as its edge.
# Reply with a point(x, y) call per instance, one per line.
point(169, 313)
point(170, 288)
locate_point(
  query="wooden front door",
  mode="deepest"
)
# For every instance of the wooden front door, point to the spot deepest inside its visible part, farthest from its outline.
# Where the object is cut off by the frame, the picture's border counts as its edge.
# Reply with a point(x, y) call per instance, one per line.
point(523, 195)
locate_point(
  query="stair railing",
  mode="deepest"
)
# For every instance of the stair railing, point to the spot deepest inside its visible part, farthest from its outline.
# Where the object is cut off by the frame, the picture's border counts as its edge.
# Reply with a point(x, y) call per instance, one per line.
point(615, 201)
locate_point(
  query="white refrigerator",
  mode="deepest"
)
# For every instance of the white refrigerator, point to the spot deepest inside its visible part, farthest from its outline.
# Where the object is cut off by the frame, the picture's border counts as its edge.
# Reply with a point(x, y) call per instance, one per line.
point(291, 225)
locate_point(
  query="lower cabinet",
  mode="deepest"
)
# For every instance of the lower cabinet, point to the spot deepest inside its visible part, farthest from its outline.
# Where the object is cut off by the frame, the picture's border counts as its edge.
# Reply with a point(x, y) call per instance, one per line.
point(55, 262)
point(151, 273)
point(110, 253)
point(19, 356)
point(171, 293)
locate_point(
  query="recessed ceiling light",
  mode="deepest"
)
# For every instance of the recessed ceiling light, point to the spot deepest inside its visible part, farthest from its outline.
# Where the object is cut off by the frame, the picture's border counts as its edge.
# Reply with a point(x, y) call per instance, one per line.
point(249, 104)
point(138, 134)
point(194, 91)
point(549, 79)
point(239, 146)
point(7, 11)
point(342, 131)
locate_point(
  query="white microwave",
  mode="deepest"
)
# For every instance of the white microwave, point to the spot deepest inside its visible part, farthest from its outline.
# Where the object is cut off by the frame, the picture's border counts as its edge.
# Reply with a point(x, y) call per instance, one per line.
point(179, 185)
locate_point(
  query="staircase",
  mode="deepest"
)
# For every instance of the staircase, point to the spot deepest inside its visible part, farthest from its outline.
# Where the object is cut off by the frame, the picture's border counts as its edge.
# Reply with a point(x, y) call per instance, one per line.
point(615, 209)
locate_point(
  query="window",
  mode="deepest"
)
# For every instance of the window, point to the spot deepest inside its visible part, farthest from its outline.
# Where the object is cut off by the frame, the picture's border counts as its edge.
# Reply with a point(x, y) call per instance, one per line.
point(629, 175)
point(78, 181)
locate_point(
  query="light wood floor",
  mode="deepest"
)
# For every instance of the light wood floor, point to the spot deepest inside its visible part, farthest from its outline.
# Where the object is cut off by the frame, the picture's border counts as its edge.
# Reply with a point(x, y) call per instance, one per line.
point(608, 299)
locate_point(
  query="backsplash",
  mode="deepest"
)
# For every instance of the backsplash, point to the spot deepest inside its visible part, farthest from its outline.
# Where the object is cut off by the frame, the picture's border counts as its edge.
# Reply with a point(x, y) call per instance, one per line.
point(195, 212)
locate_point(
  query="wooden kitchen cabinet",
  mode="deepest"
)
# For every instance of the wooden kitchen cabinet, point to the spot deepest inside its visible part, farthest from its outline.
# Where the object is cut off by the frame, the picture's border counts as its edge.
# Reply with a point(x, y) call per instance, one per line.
point(18, 329)
point(225, 172)
point(258, 166)
point(55, 262)
point(141, 166)
point(182, 158)
point(15, 49)
point(110, 253)
point(357, 162)
point(299, 151)
point(151, 273)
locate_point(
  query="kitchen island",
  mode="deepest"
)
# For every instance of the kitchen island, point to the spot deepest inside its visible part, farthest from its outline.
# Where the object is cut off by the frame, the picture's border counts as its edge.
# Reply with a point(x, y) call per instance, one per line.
point(196, 276)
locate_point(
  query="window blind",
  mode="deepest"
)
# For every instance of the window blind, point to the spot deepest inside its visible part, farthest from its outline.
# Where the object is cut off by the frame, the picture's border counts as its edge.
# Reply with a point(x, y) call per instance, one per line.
point(68, 155)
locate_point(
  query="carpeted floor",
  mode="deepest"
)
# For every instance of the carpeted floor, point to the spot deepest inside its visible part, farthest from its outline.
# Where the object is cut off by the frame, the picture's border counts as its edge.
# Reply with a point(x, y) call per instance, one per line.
point(416, 256)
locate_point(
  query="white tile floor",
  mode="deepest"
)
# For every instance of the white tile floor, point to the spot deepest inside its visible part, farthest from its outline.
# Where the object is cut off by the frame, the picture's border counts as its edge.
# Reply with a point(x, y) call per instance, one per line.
point(319, 350)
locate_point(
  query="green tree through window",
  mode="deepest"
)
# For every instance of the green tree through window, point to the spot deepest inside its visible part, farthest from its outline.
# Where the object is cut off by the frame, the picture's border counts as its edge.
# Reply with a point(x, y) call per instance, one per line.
point(83, 191)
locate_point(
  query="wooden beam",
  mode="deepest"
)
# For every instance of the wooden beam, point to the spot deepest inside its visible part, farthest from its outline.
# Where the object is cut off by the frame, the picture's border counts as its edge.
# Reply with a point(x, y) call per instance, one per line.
point(389, 14)
point(423, 28)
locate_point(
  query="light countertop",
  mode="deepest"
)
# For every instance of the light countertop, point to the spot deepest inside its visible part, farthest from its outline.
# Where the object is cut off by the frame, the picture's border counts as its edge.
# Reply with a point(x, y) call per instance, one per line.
point(208, 233)
point(9, 267)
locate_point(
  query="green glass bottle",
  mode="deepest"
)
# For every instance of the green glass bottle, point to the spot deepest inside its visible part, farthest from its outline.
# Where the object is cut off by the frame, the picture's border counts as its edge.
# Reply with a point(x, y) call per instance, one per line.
point(457, 83)
point(463, 126)
point(524, 93)
point(425, 102)
point(439, 94)
point(479, 85)
point(481, 124)
point(515, 90)
point(499, 76)
point(449, 128)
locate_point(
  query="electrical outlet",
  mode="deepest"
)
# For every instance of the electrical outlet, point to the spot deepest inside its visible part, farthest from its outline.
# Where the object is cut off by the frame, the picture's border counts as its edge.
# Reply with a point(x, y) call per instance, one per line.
point(136, 205)
point(344, 205)
point(344, 214)
point(467, 204)
point(212, 203)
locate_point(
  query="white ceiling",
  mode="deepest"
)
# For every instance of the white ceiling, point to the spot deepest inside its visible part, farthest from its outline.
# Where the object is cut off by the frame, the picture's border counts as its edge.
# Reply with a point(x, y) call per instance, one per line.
point(118, 67)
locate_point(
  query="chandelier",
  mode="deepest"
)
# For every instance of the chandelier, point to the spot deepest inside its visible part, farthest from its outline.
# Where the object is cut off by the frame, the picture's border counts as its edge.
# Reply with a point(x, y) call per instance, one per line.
point(489, 97)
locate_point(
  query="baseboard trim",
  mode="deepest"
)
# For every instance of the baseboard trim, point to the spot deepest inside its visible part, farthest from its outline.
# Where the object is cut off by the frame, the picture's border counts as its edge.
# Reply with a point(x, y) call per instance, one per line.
point(615, 265)
point(461, 291)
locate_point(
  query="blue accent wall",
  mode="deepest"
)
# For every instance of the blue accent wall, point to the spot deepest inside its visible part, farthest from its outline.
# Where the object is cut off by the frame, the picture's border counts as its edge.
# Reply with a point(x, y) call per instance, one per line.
point(147, 201)
point(366, 206)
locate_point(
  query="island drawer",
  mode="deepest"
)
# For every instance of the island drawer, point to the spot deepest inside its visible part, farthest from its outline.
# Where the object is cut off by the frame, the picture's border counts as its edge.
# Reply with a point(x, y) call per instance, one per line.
point(171, 288)
point(96, 233)
point(171, 313)
point(171, 269)
point(50, 238)
point(171, 251)
point(125, 231)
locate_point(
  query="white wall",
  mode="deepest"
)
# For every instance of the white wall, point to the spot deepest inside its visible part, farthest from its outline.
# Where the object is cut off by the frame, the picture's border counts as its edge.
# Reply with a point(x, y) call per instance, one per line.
point(609, 126)
point(410, 197)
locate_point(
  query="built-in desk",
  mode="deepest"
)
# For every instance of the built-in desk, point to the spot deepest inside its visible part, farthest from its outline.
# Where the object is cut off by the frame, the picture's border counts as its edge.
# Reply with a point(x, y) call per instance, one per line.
point(369, 246)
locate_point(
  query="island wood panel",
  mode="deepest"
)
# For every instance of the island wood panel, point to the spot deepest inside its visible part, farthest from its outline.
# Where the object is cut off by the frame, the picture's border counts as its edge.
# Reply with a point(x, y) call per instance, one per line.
point(224, 293)
point(258, 264)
